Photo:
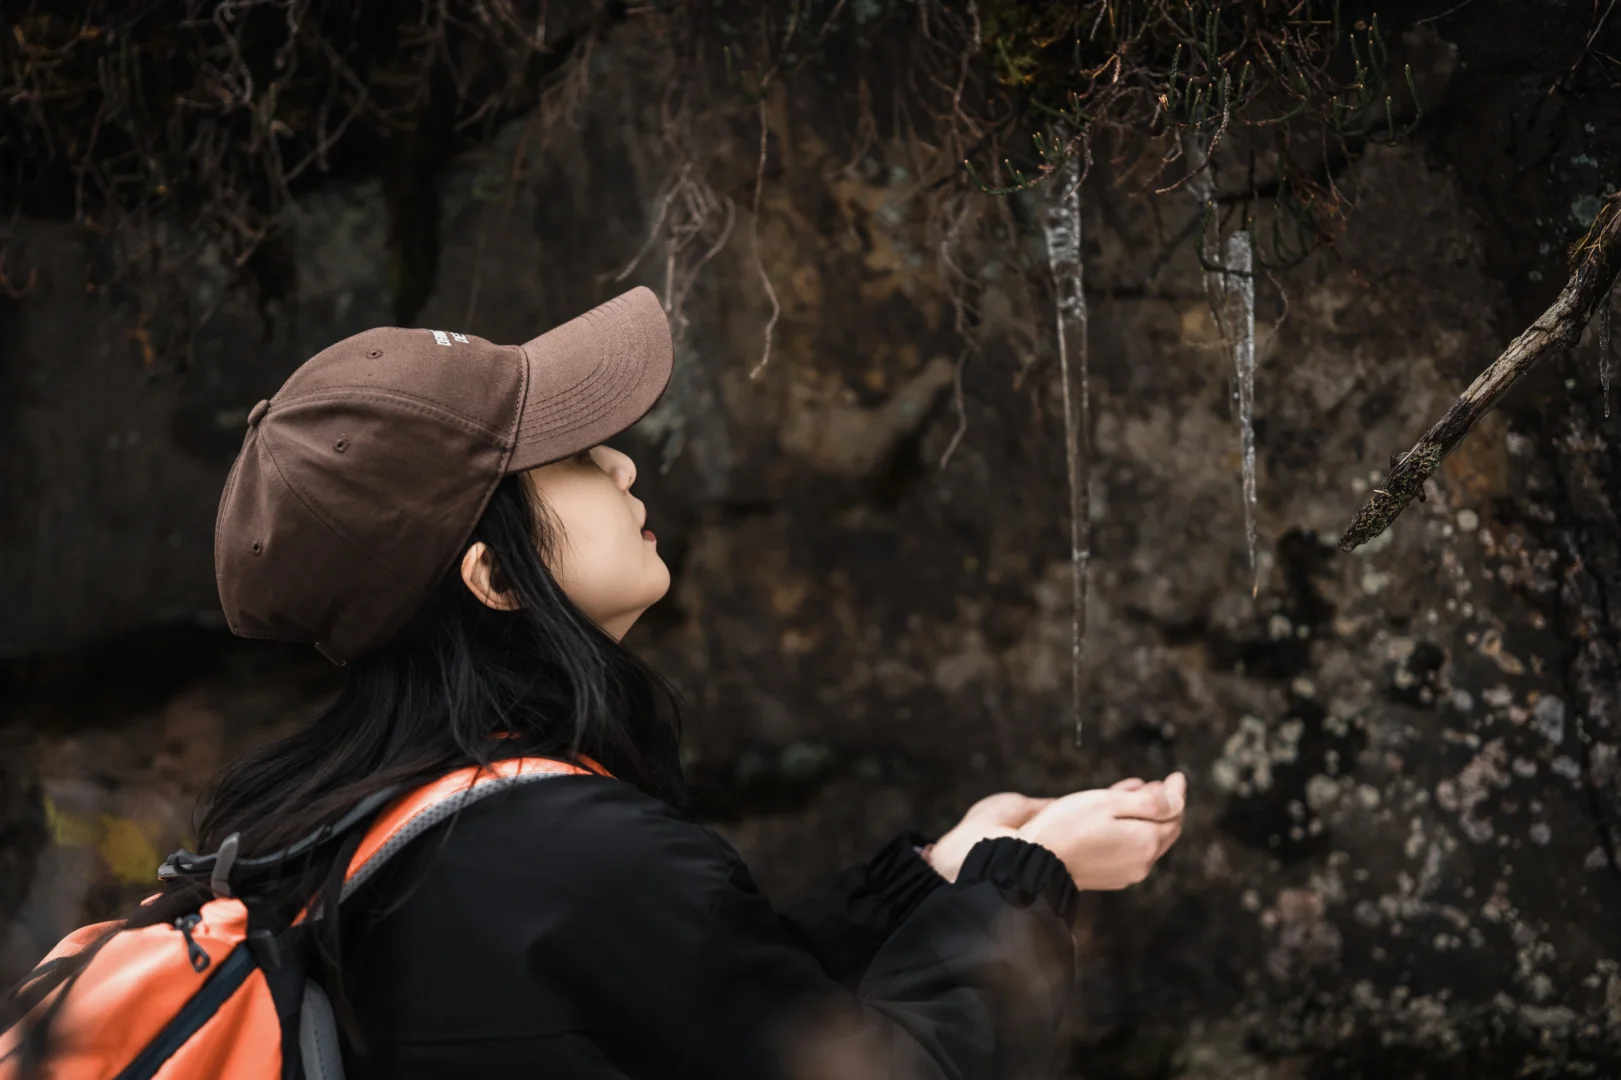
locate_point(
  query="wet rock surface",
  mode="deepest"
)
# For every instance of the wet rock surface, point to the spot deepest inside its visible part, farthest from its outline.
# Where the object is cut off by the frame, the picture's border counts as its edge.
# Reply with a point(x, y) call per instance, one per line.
point(1400, 850)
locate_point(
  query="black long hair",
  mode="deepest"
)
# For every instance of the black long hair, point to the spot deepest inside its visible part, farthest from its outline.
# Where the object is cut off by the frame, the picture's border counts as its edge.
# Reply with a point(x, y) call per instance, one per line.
point(461, 684)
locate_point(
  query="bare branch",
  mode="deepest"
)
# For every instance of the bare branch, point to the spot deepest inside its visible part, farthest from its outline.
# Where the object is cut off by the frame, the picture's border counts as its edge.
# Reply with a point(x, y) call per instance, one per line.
point(1596, 262)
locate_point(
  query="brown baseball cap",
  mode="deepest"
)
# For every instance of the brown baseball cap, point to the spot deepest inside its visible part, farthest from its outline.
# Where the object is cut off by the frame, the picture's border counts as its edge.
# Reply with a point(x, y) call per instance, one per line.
point(359, 483)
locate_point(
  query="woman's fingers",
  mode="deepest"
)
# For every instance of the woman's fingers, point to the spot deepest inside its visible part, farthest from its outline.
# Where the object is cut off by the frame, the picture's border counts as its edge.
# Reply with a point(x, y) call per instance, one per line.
point(1168, 833)
point(1176, 786)
point(1152, 839)
point(1007, 808)
point(1163, 816)
point(1110, 839)
point(1151, 802)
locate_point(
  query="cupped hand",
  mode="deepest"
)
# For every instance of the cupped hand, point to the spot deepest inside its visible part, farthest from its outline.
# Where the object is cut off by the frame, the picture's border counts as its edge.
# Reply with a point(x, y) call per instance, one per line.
point(1111, 838)
point(995, 815)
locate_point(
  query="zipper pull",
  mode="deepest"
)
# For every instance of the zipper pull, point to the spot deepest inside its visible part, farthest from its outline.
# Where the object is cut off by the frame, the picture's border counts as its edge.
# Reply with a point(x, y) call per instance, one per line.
point(194, 952)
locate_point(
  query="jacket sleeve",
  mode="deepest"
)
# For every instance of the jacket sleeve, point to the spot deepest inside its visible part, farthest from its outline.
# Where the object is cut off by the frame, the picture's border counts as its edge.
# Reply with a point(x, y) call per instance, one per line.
point(678, 952)
point(845, 922)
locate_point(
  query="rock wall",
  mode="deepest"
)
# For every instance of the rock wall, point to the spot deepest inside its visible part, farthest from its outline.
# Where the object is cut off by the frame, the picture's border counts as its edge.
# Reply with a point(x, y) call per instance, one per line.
point(1399, 854)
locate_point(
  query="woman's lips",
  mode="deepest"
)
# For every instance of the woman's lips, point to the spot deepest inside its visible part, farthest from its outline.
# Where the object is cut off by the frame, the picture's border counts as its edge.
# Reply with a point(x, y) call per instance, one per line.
point(647, 534)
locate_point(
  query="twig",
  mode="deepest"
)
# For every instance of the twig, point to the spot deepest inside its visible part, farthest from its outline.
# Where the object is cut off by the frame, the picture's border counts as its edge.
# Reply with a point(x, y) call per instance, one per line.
point(1199, 177)
point(678, 296)
point(816, 45)
point(1597, 261)
point(1586, 46)
point(759, 261)
point(1209, 147)
point(1449, 11)
point(654, 230)
point(962, 408)
point(956, 283)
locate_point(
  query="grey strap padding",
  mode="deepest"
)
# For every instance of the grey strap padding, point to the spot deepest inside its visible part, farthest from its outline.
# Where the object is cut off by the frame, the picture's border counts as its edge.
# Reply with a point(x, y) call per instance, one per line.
point(433, 815)
point(318, 1035)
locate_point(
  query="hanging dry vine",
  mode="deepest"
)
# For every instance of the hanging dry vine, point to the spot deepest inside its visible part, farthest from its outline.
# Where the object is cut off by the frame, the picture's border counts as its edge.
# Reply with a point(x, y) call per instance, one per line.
point(179, 132)
point(182, 132)
point(1290, 91)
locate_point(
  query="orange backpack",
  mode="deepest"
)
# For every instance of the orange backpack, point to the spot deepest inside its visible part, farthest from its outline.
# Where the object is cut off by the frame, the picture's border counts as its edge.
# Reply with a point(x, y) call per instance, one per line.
point(202, 997)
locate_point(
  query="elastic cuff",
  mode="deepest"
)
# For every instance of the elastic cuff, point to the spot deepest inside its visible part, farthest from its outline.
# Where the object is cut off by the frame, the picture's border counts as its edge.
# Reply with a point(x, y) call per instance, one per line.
point(1023, 871)
point(899, 877)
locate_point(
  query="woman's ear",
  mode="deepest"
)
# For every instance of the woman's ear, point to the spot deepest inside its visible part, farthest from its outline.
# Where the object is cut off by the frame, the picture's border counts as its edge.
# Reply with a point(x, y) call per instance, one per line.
point(477, 565)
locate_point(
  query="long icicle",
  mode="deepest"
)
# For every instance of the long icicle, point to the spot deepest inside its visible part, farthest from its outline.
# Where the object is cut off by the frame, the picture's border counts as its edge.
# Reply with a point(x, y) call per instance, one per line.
point(1229, 282)
point(1239, 291)
point(1061, 228)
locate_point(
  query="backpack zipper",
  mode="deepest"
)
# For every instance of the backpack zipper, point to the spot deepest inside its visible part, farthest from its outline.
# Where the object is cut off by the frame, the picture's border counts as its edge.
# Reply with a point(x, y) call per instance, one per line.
point(194, 952)
point(228, 977)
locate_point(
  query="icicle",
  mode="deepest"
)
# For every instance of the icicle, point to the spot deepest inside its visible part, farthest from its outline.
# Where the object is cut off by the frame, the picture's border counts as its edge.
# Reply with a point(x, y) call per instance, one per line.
point(1239, 292)
point(1061, 228)
point(1232, 302)
point(1604, 374)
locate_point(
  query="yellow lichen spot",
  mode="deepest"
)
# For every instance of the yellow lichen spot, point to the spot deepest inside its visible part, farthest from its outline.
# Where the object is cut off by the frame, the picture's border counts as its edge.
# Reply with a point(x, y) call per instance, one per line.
point(69, 830)
point(126, 850)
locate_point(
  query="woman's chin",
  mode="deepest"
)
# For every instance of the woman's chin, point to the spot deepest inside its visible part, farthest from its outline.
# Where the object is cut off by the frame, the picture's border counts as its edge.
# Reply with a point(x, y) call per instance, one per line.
point(661, 580)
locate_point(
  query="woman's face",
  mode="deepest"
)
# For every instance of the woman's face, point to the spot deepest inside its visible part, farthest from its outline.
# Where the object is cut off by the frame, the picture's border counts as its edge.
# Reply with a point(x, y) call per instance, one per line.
point(606, 561)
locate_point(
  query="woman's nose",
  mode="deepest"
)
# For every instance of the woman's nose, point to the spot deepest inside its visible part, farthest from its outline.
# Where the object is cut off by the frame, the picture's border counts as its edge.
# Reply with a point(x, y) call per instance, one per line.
point(624, 469)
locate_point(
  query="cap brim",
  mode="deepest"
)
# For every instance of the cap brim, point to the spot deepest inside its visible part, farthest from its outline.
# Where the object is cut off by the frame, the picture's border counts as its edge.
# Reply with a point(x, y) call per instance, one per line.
point(592, 378)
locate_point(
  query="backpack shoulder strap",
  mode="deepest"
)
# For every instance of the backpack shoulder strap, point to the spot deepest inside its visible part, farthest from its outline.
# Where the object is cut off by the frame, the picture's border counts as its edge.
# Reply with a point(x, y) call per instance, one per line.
point(402, 820)
point(415, 812)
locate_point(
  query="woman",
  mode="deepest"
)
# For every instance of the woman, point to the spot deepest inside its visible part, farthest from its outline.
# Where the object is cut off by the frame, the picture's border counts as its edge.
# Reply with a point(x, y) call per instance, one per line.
point(439, 515)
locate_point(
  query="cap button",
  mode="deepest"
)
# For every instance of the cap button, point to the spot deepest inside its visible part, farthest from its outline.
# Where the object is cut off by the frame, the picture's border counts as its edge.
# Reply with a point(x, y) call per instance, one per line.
point(257, 413)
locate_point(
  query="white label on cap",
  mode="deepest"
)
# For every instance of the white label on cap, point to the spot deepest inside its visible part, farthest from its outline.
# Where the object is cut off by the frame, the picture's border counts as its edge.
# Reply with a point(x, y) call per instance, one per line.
point(441, 337)
point(459, 337)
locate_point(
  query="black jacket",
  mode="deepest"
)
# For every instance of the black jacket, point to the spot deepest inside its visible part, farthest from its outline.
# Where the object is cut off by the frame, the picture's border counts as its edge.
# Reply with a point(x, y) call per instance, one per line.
point(576, 928)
